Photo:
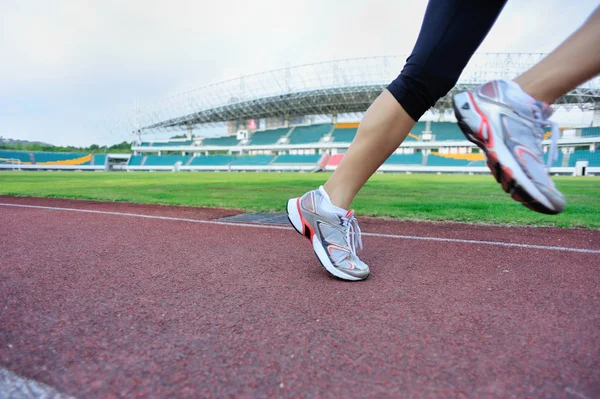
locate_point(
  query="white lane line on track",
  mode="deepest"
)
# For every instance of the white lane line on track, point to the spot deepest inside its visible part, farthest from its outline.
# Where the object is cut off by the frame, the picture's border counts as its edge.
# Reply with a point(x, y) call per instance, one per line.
point(274, 227)
point(17, 387)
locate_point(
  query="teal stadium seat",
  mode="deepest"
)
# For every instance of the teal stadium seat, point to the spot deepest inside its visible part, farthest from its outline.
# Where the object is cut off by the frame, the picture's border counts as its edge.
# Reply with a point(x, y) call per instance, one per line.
point(173, 143)
point(145, 144)
point(59, 157)
point(417, 130)
point(590, 131)
point(405, 159)
point(582, 155)
point(268, 137)
point(135, 160)
point(445, 131)
point(558, 161)
point(252, 160)
point(436, 160)
point(344, 135)
point(211, 160)
point(296, 159)
point(309, 134)
point(226, 141)
point(6, 156)
point(99, 159)
point(165, 160)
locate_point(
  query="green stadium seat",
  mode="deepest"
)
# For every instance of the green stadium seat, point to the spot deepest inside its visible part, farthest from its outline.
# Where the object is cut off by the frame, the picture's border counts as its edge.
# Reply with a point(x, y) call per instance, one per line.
point(254, 160)
point(582, 155)
point(60, 158)
point(172, 143)
point(590, 131)
point(165, 160)
point(405, 159)
point(445, 131)
point(7, 156)
point(268, 137)
point(436, 160)
point(296, 159)
point(344, 135)
point(211, 160)
point(309, 134)
point(226, 141)
point(556, 163)
point(99, 159)
point(135, 160)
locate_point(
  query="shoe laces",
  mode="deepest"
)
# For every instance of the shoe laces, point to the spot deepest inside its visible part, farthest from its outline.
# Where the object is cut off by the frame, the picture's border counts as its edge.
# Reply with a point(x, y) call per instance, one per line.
point(353, 234)
point(538, 119)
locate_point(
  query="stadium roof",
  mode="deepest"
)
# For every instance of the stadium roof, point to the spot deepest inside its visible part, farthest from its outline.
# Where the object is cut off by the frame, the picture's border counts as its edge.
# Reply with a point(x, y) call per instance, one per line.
point(337, 87)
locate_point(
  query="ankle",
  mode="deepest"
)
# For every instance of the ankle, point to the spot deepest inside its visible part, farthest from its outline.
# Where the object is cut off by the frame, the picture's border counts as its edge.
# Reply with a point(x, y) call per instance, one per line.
point(336, 197)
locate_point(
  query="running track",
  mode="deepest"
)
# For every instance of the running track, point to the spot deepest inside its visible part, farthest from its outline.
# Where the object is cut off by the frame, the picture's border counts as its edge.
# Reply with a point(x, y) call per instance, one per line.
point(109, 304)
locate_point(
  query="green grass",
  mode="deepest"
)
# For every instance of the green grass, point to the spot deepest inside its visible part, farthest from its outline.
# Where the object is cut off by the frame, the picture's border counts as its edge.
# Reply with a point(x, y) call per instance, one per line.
point(474, 199)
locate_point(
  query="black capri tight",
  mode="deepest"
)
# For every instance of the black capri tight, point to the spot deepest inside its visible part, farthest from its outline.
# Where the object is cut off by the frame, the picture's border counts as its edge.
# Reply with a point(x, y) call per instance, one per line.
point(451, 32)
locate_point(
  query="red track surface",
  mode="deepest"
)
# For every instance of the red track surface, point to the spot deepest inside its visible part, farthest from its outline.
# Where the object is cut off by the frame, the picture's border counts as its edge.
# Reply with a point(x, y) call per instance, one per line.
point(102, 306)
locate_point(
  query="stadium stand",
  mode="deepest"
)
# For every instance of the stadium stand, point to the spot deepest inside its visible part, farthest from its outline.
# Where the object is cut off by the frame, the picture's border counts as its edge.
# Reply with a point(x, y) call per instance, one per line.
point(13, 157)
point(558, 161)
point(172, 143)
point(308, 134)
point(221, 141)
point(211, 160)
point(268, 137)
point(136, 160)
point(590, 131)
point(248, 160)
point(165, 160)
point(435, 159)
point(297, 159)
point(582, 155)
point(144, 144)
point(344, 135)
point(444, 131)
point(99, 159)
point(405, 159)
point(58, 158)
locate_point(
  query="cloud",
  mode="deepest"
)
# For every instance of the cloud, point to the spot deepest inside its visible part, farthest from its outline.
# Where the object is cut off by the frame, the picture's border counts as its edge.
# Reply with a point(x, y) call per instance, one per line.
point(71, 67)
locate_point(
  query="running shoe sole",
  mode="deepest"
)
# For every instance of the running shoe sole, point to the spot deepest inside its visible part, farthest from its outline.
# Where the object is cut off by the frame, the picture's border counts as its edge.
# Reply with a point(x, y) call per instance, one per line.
point(500, 161)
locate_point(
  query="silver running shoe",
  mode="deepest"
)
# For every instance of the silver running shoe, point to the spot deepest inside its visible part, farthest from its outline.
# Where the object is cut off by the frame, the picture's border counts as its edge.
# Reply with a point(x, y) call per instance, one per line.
point(508, 125)
point(334, 236)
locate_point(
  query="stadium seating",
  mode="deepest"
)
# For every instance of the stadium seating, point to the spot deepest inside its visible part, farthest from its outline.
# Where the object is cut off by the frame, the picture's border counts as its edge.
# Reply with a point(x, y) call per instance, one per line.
point(58, 158)
point(405, 159)
point(165, 160)
point(344, 135)
point(172, 143)
point(268, 136)
point(221, 141)
point(10, 157)
point(434, 159)
point(416, 131)
point(145, 144)
point(335, 160)
point(582, 155)
point(309, 134)
point(590, 131)
point(296, 159)
point(252, 160)
point(136, 160)
point(445, 131)
point(99, 159)
point(558, 161)
point(211, 160)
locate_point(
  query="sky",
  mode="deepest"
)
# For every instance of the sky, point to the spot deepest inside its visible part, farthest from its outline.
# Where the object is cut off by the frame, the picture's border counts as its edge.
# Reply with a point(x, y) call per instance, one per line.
point(71, 70)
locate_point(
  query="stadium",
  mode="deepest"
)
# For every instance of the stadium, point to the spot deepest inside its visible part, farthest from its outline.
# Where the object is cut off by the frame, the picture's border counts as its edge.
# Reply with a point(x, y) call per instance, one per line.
point(195, 285)
point(304, 118)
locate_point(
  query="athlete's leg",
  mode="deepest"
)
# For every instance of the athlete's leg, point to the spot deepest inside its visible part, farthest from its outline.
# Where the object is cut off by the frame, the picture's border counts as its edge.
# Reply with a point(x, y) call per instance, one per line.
point(572, 63)
point(451, 32)
point(507, 119)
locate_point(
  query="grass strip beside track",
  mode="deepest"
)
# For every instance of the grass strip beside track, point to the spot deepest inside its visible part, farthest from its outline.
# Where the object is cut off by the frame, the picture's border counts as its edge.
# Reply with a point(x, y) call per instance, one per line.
point(462, 198)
